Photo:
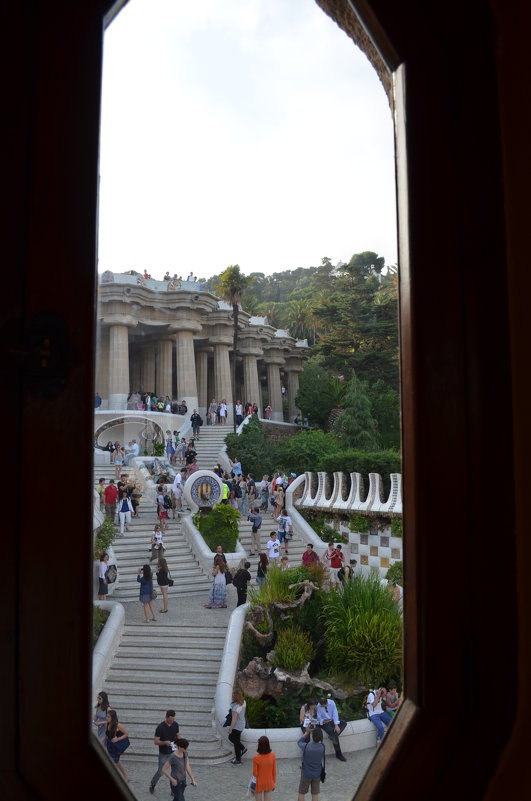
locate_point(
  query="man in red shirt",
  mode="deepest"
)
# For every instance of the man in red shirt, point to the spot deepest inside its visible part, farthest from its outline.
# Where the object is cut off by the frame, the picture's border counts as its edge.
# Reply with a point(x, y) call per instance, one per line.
point(337, 560)
point(309, 556)
point(110, 494)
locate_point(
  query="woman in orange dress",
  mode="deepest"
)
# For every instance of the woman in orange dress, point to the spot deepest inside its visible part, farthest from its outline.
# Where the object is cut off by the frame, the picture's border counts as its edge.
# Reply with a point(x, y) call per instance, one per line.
point(264, 770)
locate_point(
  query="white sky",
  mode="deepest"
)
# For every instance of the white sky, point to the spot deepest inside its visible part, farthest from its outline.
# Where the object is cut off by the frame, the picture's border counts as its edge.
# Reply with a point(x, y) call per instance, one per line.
point(248, 132)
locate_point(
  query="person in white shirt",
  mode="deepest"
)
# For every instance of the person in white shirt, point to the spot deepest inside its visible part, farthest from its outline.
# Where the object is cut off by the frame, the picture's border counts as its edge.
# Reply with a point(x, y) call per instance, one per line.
point(285, 529)
point(273, 548)
point(376, 715)
point(132, 452)
point(328, 720)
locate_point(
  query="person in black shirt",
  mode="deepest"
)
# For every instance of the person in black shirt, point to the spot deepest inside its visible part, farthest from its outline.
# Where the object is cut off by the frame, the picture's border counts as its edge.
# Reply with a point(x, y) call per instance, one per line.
point(164, 737)
point(240, 581)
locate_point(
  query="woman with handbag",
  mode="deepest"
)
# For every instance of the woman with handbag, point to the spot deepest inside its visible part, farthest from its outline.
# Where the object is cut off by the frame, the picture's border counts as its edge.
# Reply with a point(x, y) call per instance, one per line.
point(146, 590)
point(237, 725)
point(264, 770)
point(116, 740)
point(164, 581)
point(176, 768)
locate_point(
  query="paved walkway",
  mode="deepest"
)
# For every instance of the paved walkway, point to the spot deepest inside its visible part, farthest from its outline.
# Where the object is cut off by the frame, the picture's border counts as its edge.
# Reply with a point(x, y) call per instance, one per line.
point(227, 782)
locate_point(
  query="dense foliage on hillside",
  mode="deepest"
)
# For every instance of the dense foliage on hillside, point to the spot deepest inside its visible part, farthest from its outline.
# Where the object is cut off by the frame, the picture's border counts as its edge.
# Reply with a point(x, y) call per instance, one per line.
point(348, 312)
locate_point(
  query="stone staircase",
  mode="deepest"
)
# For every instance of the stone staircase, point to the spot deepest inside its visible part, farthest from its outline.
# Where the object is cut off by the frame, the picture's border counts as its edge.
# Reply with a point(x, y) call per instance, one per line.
point(296, 546)
point(211, 440)
point(172, 663)
point(168, 666)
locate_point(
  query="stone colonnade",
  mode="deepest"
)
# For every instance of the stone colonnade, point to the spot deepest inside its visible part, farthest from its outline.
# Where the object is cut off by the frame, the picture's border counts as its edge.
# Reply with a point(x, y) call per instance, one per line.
point(178, 341)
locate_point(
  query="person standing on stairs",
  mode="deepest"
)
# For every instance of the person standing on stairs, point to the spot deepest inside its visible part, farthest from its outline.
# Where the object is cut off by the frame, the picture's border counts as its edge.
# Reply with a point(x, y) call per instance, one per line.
point(125, 508)
point(165, 734)
point(163, 580)
point(146, 590)
point(256, 519)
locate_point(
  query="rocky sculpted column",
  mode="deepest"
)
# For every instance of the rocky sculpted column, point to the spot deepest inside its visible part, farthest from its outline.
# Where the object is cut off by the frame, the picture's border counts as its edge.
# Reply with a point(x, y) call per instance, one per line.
point(201, 371)
point(186, 380)
point(164, 369)
point(118, 366)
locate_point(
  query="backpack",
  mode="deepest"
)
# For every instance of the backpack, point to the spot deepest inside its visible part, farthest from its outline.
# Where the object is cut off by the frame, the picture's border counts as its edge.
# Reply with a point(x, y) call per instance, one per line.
point(167, 502)
point(239, 579)
point(364, 703)
point(237, 491)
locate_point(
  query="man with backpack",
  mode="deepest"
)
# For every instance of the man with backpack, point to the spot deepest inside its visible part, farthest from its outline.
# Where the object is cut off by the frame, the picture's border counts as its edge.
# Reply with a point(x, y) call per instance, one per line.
point(241, 578)
point(285, 529)
point(256, 519)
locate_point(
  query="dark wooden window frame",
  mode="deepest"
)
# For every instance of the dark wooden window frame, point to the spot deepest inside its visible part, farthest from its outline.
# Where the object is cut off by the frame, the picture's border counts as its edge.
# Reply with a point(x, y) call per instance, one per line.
point(457, 416)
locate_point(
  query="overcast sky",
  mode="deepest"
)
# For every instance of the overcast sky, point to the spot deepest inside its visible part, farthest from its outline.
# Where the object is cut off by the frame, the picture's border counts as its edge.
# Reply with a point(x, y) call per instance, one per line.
point(248, 132)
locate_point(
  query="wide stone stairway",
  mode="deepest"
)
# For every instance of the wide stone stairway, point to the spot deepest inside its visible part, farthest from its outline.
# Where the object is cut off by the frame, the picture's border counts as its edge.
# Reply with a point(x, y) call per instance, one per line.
point(211, 440)
point(172, 663)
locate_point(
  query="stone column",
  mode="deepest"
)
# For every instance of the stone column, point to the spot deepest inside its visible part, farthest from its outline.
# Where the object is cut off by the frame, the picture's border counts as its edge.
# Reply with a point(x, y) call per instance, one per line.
point(252, 391)
point(134, 367)
point(118, 366)
point(222, 376)
point(102, 364)
point(164, 369)
point(201, 371)
point(186, 380)
point(274, 391)
point(293, 388)
point(292, 369)
point(148, 367)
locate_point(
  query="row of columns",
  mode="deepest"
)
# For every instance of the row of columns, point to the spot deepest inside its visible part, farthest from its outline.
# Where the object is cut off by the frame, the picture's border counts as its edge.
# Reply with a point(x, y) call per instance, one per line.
point(114, 381)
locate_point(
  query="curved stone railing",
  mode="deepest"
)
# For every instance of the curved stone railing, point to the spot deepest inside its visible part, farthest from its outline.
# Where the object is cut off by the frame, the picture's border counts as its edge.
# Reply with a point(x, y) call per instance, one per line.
point(326, 498)
point(107, 643)
point(358, 735)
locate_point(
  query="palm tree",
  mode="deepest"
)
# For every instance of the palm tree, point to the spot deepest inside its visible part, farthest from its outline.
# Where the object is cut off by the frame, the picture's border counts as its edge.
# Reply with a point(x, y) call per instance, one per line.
point(230, 287)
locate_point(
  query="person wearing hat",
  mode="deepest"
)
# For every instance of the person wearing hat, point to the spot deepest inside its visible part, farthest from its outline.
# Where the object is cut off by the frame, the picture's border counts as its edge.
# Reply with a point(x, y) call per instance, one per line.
point(328, 720)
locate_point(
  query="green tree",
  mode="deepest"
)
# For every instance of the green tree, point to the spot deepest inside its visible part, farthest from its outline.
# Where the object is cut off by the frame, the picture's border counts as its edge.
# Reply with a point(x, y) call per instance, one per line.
point(231, 287)
point(356, 427)
point(254, 449)
point(385, 406)
point(318, 393)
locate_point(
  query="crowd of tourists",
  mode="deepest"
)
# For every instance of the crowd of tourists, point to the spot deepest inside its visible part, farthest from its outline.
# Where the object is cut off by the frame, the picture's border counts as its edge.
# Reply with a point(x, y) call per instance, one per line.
point(258, 501)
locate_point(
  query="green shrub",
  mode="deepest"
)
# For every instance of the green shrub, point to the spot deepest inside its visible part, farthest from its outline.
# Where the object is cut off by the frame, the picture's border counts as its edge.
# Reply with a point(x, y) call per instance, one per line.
point(293, 649)
point(306, 450)
point(104, 537)
point(276, 588)
point(395, 574)
point(396, 526)
point(99, 618)
point(219, 526)
point(158, 449)
point(256, 452)
point(351, 461)
point(363, 629)
point(360, 523)
point(256, 712)
point(283, 712)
